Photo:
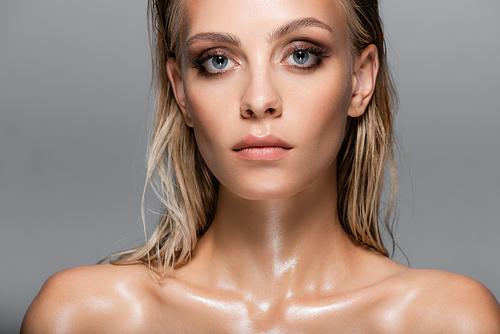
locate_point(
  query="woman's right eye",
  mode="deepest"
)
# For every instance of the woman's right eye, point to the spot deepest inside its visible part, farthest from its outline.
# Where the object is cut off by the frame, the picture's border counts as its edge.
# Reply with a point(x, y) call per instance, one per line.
point(218, 64)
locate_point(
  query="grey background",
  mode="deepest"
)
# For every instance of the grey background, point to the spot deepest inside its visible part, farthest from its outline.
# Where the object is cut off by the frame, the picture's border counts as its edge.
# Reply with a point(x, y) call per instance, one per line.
point(74, 107)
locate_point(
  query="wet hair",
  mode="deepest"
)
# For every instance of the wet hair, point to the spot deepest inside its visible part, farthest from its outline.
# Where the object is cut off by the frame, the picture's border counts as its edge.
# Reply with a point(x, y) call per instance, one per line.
point(186, 187)
point(368, 148)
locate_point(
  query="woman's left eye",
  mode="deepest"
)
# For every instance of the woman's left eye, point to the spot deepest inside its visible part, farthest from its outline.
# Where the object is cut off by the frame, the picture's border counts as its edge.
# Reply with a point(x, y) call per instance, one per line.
point(301, 58)
point(218, 64)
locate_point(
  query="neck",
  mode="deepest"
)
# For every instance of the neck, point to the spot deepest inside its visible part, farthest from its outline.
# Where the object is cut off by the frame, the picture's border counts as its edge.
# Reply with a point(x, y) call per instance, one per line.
point(293, 243)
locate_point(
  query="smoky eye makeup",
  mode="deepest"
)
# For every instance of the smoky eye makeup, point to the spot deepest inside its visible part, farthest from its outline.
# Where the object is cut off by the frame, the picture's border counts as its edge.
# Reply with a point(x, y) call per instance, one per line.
point(297, 55)
point(213, 61)
point(304, 55)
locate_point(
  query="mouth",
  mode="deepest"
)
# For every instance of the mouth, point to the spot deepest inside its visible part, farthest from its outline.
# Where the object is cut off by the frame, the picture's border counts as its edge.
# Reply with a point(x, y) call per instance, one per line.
point(269, 141)
point(267, 148)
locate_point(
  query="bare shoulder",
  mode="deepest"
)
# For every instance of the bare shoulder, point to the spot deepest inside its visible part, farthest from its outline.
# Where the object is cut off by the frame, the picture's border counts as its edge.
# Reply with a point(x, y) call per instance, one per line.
point(90, 299)
point(437, 301)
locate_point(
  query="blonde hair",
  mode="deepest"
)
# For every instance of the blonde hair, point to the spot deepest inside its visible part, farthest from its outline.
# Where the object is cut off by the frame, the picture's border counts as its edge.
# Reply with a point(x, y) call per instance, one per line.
point(188, 190)
point(368, 147)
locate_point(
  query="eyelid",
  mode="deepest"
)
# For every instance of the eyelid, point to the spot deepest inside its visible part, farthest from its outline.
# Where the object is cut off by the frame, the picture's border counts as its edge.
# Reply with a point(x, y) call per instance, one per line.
point(295, 46)
point(207, 54)
point(318, 51)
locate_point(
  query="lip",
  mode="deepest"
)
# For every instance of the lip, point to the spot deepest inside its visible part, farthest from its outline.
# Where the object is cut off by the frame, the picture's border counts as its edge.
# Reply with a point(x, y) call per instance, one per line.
point(251, 141)
point(267, 148)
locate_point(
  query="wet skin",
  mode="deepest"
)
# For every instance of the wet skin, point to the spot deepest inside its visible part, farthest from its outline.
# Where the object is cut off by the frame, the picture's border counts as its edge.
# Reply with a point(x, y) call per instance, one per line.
point(275, 259)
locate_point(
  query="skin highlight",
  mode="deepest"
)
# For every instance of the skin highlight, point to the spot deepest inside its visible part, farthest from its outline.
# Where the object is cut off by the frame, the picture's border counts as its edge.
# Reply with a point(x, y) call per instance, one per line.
point(272, 200)
point(275, 258)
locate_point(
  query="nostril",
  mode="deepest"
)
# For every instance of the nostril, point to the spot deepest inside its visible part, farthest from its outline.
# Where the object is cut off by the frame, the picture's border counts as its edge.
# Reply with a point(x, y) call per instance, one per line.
point(274, 112)
point(247, 113)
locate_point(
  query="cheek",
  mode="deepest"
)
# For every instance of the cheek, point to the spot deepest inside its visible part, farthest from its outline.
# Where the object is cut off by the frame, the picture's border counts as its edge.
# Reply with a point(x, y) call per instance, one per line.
point(210, 112)
point(321, 113)
point(210, 102)
point(332, 116)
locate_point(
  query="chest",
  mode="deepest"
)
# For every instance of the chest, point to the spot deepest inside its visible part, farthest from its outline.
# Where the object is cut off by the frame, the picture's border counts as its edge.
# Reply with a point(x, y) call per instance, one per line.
point(240, 317)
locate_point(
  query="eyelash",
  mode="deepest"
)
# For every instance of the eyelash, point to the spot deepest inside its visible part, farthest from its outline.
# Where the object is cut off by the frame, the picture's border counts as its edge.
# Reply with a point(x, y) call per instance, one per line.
point(317, 51)
point(199, 61)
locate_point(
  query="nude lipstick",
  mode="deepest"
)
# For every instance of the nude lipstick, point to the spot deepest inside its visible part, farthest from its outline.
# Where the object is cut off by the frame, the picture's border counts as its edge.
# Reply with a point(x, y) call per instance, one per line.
point(267, 148)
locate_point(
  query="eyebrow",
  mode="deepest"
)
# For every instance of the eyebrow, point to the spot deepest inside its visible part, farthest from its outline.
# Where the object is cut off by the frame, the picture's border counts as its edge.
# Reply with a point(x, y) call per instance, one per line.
point(273, 36)
point(296, 25)
point(214, 37)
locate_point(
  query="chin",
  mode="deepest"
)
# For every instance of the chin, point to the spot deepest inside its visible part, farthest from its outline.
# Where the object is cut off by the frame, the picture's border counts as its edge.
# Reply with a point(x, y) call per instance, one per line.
point(259, 191)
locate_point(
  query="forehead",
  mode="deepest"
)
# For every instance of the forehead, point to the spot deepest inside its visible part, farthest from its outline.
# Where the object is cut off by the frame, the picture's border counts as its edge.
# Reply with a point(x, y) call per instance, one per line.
point(257, 18)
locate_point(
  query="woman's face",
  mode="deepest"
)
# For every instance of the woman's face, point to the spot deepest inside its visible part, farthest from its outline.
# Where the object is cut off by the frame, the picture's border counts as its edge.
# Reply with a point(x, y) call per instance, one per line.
point(267, 86)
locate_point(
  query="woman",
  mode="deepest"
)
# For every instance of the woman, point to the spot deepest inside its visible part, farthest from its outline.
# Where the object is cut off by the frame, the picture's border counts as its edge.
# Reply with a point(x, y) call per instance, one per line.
point(273, 128)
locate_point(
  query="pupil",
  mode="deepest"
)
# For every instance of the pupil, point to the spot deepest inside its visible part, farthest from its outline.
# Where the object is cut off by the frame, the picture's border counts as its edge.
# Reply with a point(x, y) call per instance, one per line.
point(219, 62)
point(301, 57)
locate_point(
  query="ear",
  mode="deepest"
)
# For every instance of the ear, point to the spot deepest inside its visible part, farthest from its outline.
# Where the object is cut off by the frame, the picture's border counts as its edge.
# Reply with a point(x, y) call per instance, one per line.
point(363, 79)
point(174, 74)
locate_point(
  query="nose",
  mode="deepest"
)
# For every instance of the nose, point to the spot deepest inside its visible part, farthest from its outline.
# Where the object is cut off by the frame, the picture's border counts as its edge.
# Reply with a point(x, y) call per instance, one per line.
point(261, 98)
